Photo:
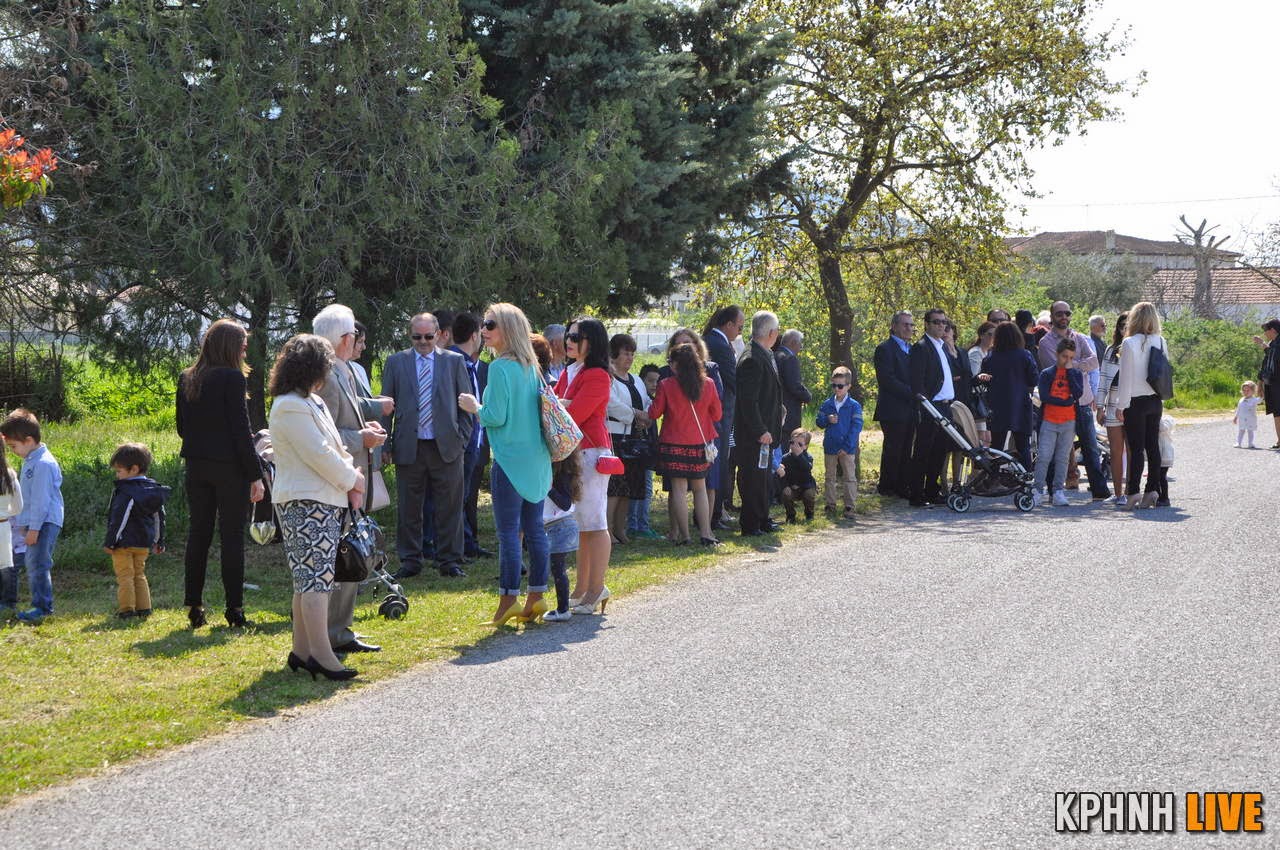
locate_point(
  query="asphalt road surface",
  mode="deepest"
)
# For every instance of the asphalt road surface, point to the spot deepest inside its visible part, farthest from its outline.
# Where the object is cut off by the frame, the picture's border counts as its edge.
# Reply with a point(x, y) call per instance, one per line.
point(927, 680)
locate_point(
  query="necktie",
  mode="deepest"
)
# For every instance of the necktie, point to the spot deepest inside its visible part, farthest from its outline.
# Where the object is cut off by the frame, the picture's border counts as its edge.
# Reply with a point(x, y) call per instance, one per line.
point(424, 397)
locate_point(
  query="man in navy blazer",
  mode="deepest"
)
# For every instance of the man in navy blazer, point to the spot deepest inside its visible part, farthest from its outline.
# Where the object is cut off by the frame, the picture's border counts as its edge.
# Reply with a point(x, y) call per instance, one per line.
point(895, 405)
point(427, 445)
point(722, 329)
point(466, 341)
point(943, 378)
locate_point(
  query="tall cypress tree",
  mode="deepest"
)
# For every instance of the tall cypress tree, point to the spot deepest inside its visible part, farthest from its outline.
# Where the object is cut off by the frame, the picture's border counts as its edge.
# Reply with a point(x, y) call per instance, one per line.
point(642, 119)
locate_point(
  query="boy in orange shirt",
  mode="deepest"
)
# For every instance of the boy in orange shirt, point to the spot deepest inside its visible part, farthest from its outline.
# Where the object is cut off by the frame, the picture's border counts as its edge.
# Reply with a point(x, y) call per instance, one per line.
point(1061, 386)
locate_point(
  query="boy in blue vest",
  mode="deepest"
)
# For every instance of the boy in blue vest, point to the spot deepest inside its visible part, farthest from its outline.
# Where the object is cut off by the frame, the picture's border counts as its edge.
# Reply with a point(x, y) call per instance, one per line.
point(841, 417)
point(42, 510)
point(135, 528)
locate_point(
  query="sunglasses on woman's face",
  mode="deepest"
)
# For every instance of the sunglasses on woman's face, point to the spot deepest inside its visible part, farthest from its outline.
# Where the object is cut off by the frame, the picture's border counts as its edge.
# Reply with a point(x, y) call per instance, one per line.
point(488, 324)
point(575, 337)
point(421, 337)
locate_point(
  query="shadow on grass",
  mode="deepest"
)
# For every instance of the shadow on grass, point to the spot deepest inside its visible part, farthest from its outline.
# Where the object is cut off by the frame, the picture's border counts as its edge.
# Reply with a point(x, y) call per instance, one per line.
point(277, 690)
point(543, 639)
point(182, 641)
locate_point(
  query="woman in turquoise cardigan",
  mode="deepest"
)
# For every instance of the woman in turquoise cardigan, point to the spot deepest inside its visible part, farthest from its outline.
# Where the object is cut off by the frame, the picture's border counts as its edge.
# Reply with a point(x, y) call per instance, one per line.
point(521, 475)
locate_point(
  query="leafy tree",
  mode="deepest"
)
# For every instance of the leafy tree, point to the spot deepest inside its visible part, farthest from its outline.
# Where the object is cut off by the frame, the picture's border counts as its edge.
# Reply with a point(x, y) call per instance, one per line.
point(917, 114)
point(660, 103)
point(1088, 283)
point(257, 158)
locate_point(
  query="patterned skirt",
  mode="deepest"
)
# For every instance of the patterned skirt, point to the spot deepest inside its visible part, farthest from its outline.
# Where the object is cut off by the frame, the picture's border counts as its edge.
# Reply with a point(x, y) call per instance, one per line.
point(677, 461)
point(310, 532)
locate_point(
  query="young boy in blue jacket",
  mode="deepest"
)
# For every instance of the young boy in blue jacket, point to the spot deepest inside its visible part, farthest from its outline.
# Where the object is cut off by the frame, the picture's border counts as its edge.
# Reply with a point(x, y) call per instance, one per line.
point(841, 417)
point(135, 528)
point(796, 471)
point(42, 515)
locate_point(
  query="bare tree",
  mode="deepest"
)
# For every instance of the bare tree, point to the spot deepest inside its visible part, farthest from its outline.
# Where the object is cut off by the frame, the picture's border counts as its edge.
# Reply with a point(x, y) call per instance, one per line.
point(1204, 251)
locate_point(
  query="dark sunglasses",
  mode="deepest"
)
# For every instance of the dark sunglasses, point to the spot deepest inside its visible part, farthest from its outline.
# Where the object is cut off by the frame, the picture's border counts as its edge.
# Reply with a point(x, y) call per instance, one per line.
point(1062, 312)
point(574, 337)
point(838, 386)
point(489, 324)
point(420, 337)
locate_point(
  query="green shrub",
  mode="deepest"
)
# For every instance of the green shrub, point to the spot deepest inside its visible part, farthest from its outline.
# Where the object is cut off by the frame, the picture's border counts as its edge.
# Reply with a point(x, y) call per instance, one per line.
point(1211, 358)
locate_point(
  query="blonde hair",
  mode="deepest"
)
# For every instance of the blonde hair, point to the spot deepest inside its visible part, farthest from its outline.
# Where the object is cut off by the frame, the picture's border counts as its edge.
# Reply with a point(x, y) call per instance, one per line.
point(842, 372)
point(1143, 319)
point(516, 330)
point(1248, 385)
point(800, 432)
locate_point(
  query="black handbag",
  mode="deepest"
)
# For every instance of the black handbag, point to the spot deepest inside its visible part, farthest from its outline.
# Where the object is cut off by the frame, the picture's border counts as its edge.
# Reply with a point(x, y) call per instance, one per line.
point(359, 548)
point(981, 409)
point(1160, 373)
point(639, 447)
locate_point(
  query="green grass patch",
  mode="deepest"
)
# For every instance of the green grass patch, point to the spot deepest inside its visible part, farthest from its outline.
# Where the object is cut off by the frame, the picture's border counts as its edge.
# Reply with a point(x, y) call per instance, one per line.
point(84, 690)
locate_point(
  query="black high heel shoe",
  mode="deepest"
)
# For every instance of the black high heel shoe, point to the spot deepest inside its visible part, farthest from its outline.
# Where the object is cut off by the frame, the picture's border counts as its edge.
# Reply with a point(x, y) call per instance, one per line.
point(339, 675)
point(196, 616)
point(295, 663)
point(236, 619)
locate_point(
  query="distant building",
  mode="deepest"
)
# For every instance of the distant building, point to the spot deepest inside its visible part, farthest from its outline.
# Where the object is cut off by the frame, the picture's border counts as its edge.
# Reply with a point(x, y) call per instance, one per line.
point(1103, 243)
point(1240, 294)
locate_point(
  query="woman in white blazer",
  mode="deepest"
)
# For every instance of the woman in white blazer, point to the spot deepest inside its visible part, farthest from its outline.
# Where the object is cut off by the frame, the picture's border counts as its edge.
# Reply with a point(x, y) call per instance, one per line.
point(1139, 404)
point(315, 483)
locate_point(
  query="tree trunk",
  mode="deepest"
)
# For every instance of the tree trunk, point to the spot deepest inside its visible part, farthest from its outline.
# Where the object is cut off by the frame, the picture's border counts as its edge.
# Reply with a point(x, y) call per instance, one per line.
point(259, 319)
point(840, 313)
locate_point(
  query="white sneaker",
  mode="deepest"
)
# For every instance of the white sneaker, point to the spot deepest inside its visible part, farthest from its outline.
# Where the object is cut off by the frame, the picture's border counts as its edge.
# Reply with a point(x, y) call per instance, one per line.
point(1037, 499)
point(1060, 499)
point(554, 616)
point(1120, 500)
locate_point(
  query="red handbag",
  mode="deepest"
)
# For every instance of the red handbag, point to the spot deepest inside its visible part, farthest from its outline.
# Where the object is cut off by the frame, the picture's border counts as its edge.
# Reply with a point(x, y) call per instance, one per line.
point(610, 465)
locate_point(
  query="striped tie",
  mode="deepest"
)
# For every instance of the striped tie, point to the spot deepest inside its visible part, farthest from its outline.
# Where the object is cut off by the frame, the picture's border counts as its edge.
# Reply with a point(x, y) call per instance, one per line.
point(424, 398)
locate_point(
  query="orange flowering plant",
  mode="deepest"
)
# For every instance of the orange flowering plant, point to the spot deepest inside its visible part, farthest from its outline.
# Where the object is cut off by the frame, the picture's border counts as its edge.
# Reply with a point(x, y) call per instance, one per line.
point(23, 175)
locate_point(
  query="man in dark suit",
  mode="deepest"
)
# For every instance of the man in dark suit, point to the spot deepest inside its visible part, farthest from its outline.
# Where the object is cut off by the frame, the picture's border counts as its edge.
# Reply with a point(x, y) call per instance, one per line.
point(943, 378)
point(757, 423)
point(466, 341)
point(429, 434)
point(722, 329)
point(895, 405)
point(795, 395)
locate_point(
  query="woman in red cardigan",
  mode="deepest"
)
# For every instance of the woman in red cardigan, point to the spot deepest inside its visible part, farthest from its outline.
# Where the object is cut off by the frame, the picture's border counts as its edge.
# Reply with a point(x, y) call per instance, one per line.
point(585, 386)
point(689, 407)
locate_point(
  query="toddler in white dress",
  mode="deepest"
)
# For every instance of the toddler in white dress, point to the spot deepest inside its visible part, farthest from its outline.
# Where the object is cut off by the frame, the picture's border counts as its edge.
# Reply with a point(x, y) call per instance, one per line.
point(1246, 418)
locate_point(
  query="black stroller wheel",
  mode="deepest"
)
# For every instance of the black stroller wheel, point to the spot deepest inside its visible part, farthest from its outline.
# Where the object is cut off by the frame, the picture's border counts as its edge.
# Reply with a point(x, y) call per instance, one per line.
point(394, 607)
point(959, 502)
point(1024, 501)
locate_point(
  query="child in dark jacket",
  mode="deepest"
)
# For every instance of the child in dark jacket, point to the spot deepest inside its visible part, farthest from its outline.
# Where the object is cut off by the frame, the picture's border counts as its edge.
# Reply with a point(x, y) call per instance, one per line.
point(135, 527)
point(796, 472)
point(1061, 387)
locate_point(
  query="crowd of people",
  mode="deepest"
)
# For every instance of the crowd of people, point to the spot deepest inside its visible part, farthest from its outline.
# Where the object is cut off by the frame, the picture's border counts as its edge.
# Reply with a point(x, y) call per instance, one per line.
point(723, 415)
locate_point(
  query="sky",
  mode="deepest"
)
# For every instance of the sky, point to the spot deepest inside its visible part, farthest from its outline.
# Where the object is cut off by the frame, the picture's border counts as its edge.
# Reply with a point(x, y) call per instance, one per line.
point(1203, 129)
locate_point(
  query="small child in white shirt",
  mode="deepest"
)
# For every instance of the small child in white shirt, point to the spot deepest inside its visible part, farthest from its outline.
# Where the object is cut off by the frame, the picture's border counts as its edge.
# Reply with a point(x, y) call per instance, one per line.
point(1246, 418)
point(1166, 458)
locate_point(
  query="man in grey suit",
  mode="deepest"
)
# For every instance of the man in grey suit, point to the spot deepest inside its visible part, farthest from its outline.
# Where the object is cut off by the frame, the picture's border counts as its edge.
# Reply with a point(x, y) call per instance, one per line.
point(428, 435)
point(343, 396)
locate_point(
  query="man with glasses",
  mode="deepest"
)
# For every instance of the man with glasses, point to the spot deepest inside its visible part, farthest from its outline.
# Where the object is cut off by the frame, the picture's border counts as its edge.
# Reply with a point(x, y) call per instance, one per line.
point(941, 377)
point(429, 434)
point(895, 405)
point(1087, 362)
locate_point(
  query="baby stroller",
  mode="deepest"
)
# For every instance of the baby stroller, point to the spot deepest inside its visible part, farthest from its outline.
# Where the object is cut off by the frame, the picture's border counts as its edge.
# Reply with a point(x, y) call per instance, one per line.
point(986, 472)
point(264, 528)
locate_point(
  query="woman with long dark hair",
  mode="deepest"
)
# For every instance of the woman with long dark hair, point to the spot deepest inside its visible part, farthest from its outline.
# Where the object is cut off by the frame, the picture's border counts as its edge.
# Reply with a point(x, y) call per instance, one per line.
point(223, 474)
point(1010, 373)
point(681, 336)
point(585, 387)
point(1108, 415)
point(688, 404)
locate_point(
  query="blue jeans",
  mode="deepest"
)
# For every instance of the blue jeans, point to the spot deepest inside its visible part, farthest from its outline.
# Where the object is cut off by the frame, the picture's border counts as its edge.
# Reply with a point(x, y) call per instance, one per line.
point(1056, 442)
point(513, 514)
point(9, 586)
point(469, 458)
point(40, 567)
point(638, 513)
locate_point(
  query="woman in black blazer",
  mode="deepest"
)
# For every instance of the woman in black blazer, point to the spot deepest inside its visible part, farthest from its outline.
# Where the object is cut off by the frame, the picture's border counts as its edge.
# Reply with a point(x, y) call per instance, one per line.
point(223, 474)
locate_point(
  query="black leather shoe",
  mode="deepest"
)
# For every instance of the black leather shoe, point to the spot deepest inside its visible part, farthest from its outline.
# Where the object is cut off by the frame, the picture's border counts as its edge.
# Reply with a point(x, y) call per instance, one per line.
point(407, 572)
point(452, 572)
point(756, 533)
point(357, 645)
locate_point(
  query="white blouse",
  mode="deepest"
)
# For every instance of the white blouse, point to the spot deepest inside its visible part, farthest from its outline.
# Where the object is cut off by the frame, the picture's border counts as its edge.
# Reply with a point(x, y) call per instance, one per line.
point(1135, 356)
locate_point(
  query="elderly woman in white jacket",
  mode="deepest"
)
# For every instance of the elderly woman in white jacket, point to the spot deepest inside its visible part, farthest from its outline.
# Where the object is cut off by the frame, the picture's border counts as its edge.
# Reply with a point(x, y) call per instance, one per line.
point(626, 415)
point(315, 483)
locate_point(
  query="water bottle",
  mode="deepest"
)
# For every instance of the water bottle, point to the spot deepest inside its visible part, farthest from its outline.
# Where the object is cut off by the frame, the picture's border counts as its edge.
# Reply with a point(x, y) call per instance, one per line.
point(763, 462)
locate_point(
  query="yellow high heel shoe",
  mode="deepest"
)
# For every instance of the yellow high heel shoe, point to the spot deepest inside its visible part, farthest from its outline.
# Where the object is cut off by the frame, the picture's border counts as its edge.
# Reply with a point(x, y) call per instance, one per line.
point(512, 612)
point(534, 614)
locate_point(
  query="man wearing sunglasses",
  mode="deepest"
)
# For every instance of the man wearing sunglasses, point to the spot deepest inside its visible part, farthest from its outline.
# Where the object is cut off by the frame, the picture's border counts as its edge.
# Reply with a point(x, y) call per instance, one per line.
point(942, 378)
point(895, 405)
point(429, 434)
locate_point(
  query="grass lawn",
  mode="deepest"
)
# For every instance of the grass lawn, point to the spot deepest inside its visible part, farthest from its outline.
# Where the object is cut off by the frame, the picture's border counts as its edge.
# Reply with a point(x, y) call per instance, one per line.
point(85, 691)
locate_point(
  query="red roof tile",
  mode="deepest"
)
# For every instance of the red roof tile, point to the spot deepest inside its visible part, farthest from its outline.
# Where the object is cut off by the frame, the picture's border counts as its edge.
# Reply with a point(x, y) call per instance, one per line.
point(1095, 242)
point(1230, 286)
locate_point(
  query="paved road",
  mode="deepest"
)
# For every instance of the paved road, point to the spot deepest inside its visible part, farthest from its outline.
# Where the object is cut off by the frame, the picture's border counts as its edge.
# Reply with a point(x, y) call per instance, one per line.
point(929, 680)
